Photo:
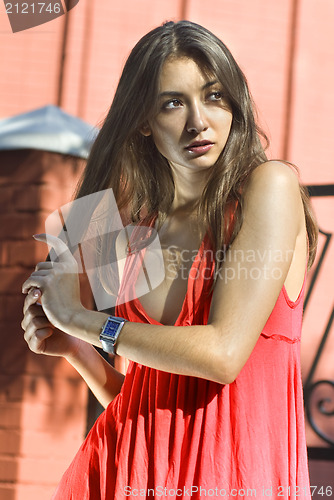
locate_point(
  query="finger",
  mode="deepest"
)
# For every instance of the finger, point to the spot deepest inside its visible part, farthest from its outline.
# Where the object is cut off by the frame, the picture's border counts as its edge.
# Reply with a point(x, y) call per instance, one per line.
point(33, 282)
point(41, 272)
point(61, 249)
point(36, 340)
point(44, 268)
point(33, 310)
point(44, 265)
point(32, 298)
point(32, 323)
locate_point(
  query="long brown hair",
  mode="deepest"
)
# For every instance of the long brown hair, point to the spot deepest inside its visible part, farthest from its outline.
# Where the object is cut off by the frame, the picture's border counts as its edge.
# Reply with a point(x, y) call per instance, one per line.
point(123, 159)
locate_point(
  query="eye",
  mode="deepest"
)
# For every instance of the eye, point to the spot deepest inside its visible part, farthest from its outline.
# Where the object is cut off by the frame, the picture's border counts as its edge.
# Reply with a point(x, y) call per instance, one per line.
point(171, 104)
point(215, 96)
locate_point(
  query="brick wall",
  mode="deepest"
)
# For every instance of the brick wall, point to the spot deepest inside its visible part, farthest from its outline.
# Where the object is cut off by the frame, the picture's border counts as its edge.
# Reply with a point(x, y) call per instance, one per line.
point(42, 399)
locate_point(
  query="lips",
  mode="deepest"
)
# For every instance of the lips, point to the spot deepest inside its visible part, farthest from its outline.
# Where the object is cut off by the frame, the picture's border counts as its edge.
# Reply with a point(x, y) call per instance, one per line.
point(199, 147)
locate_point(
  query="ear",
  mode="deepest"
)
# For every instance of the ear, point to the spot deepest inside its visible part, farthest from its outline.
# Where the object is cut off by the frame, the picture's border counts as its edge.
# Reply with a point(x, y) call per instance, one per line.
point(145, 129)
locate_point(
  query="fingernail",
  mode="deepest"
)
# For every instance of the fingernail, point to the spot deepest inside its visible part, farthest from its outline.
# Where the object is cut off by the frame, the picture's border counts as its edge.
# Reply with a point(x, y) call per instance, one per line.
point(36, 293)
point(36, 235)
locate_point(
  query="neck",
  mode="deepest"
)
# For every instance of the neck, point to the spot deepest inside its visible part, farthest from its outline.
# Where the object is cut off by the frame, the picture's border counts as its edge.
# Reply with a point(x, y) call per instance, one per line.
point(189, 186)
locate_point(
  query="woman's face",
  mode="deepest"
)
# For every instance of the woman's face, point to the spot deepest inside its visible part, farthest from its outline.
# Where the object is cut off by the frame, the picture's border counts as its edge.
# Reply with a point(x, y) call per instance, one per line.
point(193, 123)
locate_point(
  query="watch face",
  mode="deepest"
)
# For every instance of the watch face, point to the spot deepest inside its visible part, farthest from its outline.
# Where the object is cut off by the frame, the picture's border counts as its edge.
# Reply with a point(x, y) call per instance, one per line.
point(110, 332)
point(111, 328)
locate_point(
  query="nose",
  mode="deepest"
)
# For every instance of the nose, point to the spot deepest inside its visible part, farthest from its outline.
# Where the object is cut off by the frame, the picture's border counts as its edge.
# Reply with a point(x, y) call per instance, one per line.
point(196, 121)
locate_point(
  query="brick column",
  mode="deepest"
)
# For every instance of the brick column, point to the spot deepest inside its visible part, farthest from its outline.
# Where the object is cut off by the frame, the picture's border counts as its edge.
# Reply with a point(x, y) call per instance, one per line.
point(42, 399)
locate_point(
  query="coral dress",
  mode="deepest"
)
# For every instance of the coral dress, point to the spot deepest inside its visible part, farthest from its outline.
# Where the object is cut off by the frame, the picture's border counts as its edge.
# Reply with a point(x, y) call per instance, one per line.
point(174, 436)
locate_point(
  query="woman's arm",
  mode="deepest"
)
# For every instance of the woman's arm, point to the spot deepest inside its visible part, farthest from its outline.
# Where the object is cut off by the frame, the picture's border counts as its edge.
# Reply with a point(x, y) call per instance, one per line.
point(104, 381)
point(273, 226)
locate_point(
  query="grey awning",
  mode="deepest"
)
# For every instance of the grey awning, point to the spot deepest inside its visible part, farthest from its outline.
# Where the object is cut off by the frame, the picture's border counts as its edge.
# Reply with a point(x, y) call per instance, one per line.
point(48, 129)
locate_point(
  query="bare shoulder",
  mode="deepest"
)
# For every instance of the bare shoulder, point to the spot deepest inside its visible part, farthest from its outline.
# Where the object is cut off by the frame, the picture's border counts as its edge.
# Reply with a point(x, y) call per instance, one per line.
point(274, 185)
point(275, 175)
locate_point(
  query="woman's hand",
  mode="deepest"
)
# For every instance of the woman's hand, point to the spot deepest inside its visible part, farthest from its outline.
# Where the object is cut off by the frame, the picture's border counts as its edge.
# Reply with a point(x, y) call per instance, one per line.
point(41, 336)
point(58, 283)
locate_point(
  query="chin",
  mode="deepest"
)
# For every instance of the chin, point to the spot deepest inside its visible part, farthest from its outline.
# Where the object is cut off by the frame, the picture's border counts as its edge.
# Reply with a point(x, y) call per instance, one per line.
point(203, 163)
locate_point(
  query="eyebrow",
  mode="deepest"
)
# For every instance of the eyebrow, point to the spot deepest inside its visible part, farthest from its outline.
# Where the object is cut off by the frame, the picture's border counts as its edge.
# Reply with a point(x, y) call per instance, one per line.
point(174, 93)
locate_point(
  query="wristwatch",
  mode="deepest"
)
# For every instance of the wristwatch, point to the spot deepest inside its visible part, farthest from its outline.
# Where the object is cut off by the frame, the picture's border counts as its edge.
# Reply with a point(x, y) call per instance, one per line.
point(110, 332)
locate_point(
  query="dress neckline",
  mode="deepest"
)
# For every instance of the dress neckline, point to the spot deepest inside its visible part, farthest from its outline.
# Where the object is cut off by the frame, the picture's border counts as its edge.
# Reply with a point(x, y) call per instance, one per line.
point(141, 308)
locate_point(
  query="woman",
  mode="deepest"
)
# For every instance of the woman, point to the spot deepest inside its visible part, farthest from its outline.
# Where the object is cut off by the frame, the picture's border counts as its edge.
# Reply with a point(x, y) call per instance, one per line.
point(211, 404)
